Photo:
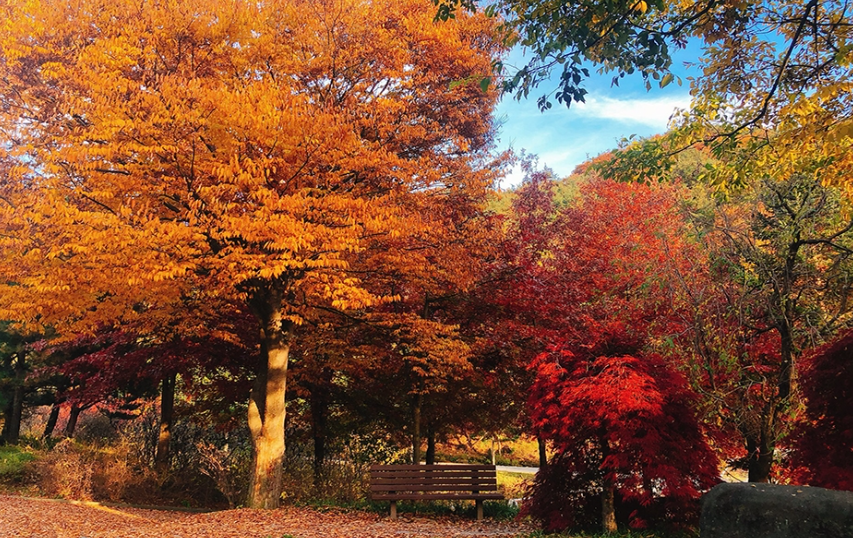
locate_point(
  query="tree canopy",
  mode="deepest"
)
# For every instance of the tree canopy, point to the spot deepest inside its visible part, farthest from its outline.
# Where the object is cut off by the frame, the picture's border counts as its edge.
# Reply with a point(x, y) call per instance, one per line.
point(167, 155)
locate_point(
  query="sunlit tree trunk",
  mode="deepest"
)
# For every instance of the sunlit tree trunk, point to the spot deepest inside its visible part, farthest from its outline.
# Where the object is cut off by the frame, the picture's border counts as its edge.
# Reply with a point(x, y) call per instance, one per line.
point(266, 406)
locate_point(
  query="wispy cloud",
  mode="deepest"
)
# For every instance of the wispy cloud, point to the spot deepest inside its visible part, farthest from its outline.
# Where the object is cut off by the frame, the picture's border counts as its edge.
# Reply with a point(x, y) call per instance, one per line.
point(654, 112)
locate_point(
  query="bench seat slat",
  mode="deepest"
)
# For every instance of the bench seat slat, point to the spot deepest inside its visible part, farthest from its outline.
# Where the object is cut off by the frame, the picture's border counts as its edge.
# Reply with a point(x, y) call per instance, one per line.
point(413, 474)
point(440, 487)
point(433, 480)
point(442, 467)
point(436, 496)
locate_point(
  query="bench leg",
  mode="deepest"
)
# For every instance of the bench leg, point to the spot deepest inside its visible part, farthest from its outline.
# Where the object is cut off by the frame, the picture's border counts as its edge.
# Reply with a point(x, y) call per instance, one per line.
point(479, 509)
point(393, 509)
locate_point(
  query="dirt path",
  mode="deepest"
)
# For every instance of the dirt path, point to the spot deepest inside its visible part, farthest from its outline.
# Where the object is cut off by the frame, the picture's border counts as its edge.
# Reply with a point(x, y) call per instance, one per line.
point(22, 517)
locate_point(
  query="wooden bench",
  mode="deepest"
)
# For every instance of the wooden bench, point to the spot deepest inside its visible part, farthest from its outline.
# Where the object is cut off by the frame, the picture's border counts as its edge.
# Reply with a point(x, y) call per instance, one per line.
point(433, 482)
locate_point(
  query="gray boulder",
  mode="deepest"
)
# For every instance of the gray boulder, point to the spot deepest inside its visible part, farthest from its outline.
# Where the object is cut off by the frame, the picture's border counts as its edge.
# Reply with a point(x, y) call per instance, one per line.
point(773, 511)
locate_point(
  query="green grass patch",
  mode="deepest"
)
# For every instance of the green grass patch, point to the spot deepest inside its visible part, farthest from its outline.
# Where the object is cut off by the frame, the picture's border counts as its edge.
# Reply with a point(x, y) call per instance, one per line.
point(513, 485)
point(13, 462)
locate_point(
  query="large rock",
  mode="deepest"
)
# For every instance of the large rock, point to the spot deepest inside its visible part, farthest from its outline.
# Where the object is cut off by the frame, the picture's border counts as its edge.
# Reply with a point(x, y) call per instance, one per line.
point(773, 511)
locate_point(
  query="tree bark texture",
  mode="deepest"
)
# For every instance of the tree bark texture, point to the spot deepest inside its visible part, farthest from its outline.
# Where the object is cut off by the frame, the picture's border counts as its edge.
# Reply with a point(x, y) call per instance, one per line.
point(266, 405)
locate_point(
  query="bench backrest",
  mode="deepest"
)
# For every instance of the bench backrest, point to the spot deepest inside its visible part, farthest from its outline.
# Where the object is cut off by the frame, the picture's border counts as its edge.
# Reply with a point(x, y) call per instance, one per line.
point(449, 477)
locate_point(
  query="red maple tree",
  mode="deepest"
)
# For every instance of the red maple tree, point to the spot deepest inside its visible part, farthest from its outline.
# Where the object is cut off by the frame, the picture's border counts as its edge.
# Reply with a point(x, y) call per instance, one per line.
point(607, 392)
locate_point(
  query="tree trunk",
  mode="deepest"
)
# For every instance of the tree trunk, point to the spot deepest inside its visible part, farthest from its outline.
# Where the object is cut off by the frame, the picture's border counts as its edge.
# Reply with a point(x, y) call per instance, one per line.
point(4, 416)
point(543, 454)
point(51, 421)
point(167, 419)
point(319, 398)
point(266, 405)
point(492, 450)
point(786, 368)
point(760, 465)
point(430, 453)
point(762, 449)
point(416, 429)
point(7, 397)
point(71, 425)
point(608, 508)
point(13, 420)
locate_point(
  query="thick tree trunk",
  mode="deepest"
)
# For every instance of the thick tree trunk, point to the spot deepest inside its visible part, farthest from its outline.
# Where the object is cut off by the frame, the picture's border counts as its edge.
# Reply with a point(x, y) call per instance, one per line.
point(71, 425)
point(761, 451)
point(51, 421)
point(167, 419)
point(430, 452)
point(543, 453)
point(416, 429)
point(267, 406)
point(608, 508)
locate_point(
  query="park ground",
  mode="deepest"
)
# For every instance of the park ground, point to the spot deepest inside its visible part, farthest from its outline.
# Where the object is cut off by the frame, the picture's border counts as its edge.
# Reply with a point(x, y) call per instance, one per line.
point(22, 517)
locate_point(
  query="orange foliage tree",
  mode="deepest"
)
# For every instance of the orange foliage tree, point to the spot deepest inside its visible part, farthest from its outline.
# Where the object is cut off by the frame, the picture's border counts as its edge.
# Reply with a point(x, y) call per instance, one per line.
point(165, 154)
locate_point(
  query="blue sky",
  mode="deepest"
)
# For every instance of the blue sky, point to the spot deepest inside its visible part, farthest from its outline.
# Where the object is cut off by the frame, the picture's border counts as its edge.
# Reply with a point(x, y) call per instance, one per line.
point(564, 138)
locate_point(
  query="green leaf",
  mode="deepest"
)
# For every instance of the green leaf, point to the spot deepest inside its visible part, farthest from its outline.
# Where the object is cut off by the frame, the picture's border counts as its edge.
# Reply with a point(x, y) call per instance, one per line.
point(484, 83)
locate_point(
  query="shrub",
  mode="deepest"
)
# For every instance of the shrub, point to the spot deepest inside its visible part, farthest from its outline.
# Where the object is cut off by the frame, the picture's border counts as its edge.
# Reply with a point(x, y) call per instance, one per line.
point(824, 434)
point(66, 472)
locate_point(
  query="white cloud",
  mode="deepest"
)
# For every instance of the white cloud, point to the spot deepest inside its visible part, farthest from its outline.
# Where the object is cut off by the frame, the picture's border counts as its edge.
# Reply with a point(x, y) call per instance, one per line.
point(654, 112)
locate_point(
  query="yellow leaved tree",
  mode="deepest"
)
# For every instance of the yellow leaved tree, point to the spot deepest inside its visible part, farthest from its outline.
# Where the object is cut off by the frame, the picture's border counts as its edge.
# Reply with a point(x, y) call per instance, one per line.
point(164, 153)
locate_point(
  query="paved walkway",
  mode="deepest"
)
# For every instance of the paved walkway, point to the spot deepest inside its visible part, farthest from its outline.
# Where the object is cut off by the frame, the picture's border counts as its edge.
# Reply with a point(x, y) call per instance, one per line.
point(512, 469)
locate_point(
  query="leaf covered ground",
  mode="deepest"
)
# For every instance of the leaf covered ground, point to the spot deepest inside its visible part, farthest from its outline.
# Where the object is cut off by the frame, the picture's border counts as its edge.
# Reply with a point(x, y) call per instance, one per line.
point(22, 517)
